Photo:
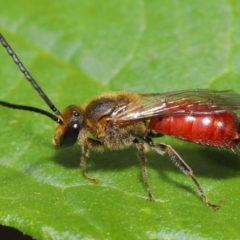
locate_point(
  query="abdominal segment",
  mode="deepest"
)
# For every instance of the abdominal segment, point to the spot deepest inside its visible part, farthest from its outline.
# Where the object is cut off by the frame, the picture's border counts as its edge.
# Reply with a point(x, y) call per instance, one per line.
point(214, 129)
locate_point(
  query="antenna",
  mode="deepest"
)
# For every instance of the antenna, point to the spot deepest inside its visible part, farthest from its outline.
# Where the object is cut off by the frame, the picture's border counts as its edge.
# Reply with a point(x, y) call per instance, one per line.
point(57, 115)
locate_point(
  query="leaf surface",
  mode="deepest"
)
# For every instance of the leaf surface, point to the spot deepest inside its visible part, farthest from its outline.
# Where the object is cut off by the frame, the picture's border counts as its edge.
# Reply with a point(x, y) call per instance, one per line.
point(77, 50)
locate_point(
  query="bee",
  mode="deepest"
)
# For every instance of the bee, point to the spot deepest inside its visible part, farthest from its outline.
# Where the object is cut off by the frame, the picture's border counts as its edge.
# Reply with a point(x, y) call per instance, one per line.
point(120, 119)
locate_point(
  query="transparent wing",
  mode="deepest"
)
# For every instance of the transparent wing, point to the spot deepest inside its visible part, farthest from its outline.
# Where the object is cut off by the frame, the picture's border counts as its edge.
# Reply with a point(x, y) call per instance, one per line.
point(199, 101)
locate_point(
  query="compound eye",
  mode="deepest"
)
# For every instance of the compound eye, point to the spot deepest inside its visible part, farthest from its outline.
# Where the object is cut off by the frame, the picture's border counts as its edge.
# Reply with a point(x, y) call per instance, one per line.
point(70, 136)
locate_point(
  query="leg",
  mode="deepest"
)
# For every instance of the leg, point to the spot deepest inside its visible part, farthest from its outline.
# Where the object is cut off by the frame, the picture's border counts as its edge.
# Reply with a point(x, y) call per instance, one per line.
point(178, 161)
point(85, 153)
point(142, 160)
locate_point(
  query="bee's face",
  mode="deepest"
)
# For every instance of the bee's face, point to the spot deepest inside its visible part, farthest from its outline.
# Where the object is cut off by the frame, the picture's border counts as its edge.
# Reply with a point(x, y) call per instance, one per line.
point(66, 134)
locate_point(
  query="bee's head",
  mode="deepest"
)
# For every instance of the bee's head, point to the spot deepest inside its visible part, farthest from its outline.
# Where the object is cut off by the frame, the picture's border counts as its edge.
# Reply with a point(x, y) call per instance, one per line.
point(67, 132)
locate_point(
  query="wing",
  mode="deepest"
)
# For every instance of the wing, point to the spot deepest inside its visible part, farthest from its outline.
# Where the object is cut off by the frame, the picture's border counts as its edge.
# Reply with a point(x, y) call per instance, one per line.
point(199, 101)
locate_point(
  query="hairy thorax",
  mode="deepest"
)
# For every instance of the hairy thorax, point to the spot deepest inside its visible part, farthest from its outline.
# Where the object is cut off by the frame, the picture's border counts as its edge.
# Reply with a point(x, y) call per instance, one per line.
point(100, 115)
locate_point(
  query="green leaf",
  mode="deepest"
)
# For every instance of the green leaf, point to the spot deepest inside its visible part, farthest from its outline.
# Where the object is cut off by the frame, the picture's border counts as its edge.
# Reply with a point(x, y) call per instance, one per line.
point(78, 49)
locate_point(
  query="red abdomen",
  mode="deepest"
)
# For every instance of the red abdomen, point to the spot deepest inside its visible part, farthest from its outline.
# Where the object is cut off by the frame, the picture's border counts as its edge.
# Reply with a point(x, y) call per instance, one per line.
point(214, 129)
